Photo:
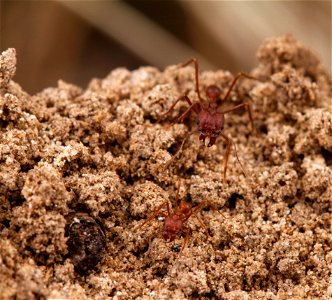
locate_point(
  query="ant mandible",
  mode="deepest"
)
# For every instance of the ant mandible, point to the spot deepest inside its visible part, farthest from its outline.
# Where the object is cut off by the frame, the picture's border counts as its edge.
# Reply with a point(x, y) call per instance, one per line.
point(210, 121)
point(175, 219)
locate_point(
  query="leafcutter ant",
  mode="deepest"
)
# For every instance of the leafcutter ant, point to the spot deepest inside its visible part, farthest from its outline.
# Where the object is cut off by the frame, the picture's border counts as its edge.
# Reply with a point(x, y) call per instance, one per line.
point(210, 121)
point(176, 219)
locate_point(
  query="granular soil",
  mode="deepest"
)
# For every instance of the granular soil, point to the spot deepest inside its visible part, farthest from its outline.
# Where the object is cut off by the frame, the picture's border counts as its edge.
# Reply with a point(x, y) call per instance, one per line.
point(81, 170)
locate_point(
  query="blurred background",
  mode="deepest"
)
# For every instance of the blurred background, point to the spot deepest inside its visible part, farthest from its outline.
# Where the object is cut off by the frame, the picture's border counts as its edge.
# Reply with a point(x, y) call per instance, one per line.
point(78, 40)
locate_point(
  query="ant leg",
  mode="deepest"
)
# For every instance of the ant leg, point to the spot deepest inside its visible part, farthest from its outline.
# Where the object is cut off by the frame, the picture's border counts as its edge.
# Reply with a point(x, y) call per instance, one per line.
point(155, 213)
point(229, 144)
point(236, 78)
point(198, 209)
point(179, 151)
point(187, 231)
point(248, 107)
point(202, 224)
point(184, 97)
point(194, 60)
point(182, 116)
point(201, 206)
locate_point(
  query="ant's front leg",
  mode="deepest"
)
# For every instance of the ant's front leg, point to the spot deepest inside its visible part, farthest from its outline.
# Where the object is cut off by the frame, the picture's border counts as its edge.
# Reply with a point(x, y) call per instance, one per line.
point(230, 142)
point(189, 109)
point(187, 232)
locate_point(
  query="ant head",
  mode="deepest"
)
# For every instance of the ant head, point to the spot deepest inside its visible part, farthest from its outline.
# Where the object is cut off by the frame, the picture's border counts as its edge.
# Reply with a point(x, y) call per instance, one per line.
point(213, 93)
point(210, 126)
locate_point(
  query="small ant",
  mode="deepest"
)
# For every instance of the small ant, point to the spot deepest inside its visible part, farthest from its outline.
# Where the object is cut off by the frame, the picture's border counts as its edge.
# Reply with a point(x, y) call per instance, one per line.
point(175, 220)
point(210, 121)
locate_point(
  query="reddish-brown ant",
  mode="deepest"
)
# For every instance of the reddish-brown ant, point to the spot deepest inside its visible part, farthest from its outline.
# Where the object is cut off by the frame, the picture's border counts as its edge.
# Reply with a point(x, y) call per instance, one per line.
point(175, 219)
point(210, 121)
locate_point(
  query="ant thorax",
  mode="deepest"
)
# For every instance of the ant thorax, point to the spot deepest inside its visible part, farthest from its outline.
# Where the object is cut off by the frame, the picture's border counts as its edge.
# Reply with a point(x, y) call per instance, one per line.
point(210, 124)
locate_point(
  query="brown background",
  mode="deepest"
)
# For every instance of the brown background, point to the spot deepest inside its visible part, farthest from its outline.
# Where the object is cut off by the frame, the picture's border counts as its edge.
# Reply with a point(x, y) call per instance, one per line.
point(76, 40)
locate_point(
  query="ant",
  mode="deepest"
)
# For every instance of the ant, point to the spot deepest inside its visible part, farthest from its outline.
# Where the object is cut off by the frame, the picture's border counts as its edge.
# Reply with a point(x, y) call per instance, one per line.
point(210, 121)
point(175, 220)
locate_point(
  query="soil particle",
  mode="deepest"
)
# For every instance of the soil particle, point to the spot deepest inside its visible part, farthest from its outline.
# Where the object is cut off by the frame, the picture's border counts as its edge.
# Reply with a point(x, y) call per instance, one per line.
point(7, 67)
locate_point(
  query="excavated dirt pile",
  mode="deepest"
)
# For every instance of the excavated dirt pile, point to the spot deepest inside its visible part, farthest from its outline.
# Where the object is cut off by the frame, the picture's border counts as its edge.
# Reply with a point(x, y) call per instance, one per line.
point(81, 170)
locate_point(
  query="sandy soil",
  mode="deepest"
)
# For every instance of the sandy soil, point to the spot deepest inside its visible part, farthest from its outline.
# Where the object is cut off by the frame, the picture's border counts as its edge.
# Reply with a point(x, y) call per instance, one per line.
point(81, 170)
